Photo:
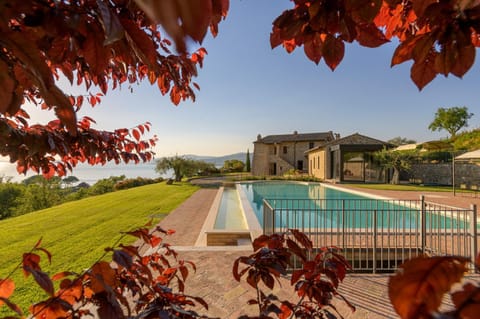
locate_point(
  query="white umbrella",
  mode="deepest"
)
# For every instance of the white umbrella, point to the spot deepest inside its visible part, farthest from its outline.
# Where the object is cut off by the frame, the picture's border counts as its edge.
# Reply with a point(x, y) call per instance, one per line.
point(469, 155)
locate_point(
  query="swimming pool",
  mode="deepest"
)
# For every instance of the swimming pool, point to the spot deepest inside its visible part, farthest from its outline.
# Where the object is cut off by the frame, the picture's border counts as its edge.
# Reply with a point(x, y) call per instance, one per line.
point(308, 203)
point(376, 234)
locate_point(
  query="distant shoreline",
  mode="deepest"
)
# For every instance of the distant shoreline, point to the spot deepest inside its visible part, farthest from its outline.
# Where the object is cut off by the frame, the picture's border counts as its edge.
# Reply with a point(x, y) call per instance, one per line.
point(91, 174)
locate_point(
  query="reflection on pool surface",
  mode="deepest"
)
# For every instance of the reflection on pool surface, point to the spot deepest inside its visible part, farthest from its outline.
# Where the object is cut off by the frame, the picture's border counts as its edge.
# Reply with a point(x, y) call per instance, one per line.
point(258, 191)
point(230, 214)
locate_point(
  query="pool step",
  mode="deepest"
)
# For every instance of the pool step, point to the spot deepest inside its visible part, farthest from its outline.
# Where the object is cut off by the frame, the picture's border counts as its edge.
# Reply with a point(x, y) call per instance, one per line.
point(224, 237)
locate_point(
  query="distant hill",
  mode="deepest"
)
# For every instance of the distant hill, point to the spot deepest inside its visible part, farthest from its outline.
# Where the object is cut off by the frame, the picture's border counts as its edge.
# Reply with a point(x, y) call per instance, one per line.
point(219, 160)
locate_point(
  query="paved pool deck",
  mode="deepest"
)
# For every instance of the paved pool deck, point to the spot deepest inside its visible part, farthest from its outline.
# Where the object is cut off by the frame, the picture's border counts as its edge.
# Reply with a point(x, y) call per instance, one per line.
point(227, 298)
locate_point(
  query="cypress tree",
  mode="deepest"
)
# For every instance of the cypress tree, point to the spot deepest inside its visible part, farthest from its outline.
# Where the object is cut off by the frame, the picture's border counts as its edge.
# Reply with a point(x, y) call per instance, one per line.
point(247, 161)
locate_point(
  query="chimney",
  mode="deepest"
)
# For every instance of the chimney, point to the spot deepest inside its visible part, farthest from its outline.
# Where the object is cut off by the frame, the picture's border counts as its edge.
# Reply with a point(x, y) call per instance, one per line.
point(337, 136)
point(295, 132)
point(259, 137)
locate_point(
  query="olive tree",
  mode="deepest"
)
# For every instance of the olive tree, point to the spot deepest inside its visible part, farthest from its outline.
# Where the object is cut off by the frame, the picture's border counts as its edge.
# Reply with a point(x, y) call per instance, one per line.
point(451, 119)
point(396, 160)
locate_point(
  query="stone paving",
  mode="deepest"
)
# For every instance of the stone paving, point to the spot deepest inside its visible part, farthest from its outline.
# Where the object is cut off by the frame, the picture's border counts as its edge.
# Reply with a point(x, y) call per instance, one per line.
point(227, 298)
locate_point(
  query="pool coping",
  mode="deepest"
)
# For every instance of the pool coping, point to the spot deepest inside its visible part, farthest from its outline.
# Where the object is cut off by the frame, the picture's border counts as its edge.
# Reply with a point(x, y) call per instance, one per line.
point(253, 226)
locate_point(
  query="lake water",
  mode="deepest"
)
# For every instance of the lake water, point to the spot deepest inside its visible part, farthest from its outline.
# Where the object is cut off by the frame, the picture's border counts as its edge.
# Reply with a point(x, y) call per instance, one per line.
point(91, 174)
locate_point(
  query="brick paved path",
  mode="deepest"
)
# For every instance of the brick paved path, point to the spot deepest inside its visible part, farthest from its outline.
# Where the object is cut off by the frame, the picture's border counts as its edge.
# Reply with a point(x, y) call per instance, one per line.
point(227, 298)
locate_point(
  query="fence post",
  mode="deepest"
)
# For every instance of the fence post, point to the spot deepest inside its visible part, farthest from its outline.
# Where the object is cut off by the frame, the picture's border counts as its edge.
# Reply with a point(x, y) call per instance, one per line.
point(423, 224)
point(268, 218)
point(473, 233)
point(375, 241)
point(343, 225)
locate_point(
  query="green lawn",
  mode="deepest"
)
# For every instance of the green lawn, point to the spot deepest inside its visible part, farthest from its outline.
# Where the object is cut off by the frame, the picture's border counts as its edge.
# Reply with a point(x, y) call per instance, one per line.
point(76, 233)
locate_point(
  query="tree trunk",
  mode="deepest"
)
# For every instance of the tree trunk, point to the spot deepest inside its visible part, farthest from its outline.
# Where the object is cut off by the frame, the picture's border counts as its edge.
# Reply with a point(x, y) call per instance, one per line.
point(178, 175)
point(396, 177)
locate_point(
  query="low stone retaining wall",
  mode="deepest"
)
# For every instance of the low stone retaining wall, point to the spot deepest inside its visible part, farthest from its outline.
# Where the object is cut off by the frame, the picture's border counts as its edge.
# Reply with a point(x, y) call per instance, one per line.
point(441, 174)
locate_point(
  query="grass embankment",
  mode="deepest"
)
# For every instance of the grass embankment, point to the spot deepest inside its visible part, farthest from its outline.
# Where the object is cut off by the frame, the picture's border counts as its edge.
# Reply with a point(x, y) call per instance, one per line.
point(76, 233)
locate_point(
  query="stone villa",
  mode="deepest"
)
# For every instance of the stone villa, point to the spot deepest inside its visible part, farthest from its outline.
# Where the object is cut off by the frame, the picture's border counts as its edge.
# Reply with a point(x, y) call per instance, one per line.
point(323, 155)
point(278, 154)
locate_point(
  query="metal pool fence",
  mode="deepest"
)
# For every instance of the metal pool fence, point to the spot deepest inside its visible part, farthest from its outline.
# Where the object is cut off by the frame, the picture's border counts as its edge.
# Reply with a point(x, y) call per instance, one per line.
point(377, 235)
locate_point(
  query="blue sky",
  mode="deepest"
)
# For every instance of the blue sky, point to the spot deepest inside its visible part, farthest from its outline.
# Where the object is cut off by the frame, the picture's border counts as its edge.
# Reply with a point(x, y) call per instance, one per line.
point(248, 89)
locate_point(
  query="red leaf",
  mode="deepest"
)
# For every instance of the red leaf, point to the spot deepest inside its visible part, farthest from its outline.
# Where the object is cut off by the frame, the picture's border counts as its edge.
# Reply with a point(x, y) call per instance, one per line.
point(43, 281)
point(95, 53)
point(8, 85)
point(62, 275)
point(169, 271)
point(313, 48)
point(268, 280)
point(286, 311)
point(260, 242)
point(236, 263)
point(12, 306)
point(184, 272)
point(49, 255)
point(195, 16)
point(275, 38)
point(30, 262)
point(417, 289)
point(39, 242)
point(155, 241)
point(419, 6)
point(333, 51)
point(296, 249)
point(423, 47)
point(445, 60)
point(122, 258)
point(404, 51)
point(302, 238)
point(370, 36)
point(464, 60)
point(49, 309)
point(92, 100)
point(79, 101)
point(112, 27)
point(364, 10)
point(423, 73)
point(63, 108)
point(136, 134)
point(7, 286)
point(296, 275)
point(141, 44)
point(70, 292)
point(102, 274)
point(467, 301)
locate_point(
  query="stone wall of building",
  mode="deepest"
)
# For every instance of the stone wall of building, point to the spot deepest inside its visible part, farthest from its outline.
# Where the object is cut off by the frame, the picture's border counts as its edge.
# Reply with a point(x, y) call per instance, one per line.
point(260, 162)
point(441, 174)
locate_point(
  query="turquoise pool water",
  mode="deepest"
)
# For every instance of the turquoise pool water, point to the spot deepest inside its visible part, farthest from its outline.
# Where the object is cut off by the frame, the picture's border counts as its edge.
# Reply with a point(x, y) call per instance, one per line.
point(304, 204)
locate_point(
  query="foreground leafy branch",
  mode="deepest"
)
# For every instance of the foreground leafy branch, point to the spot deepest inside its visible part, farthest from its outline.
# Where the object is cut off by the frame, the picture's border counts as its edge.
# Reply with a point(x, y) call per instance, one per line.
point(145, 280)
point(315, 282)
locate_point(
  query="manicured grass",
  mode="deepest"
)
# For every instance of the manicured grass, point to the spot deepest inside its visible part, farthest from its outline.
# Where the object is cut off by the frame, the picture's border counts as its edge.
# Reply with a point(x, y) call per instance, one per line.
point(403, 187)
point(76, 233)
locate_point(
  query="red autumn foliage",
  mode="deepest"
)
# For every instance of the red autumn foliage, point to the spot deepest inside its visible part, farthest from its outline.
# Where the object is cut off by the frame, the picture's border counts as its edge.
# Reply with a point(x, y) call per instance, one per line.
point(143, 280)
point(98, 44)
point(418, 288)
point(315, 283)
point(439, 36)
